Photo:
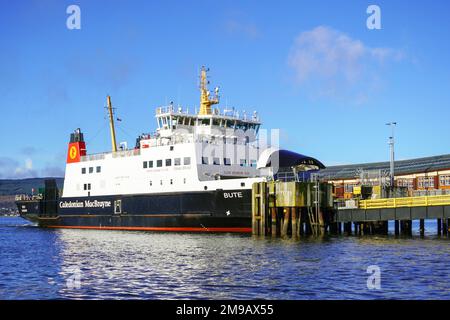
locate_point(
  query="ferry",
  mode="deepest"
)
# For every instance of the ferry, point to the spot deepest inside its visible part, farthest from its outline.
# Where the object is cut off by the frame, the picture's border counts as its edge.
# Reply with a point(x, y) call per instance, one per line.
point(195, 174)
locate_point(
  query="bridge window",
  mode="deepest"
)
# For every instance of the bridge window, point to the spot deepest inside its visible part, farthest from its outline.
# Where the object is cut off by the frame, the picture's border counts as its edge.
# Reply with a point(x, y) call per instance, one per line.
point(83, 170)
point(91, 169)
point(144, 164)
point(177, 161)
point(227, 161)
point(187, 161)
point(243, 162)
point(168, 162)
point(253, 163)
point(216, 161)
point(159, 163)
point(150, 164)
point(204, 160)
point(98, 169)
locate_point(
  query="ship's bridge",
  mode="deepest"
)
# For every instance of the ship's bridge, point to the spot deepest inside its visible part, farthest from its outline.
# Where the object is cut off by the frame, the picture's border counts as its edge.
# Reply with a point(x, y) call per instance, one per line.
point(176, 121)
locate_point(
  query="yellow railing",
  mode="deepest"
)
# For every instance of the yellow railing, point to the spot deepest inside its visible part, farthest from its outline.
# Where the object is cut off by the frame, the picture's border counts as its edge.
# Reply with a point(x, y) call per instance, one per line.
point(405, 202)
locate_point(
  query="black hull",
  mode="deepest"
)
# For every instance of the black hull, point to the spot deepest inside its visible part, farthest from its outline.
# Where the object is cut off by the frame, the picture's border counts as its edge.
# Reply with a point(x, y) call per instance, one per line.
point(206, 211)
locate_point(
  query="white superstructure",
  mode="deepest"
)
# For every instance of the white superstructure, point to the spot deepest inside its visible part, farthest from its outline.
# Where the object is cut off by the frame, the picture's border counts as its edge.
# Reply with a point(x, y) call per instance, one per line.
point(208, 150)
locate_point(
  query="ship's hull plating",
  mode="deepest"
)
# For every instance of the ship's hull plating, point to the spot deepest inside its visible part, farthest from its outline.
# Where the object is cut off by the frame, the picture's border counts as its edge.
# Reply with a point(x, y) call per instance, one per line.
point(205, 211)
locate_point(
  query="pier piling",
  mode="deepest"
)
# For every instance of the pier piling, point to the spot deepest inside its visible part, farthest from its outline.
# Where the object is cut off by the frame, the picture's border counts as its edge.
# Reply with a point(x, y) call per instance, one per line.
point(422, 227)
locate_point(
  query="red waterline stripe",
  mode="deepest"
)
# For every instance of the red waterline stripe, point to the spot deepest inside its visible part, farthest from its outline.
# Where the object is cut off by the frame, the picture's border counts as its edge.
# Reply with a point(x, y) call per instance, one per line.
point(188, 229)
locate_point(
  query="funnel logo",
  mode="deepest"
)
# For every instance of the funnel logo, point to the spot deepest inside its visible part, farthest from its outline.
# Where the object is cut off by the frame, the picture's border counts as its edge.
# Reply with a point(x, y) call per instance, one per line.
point(73, 152)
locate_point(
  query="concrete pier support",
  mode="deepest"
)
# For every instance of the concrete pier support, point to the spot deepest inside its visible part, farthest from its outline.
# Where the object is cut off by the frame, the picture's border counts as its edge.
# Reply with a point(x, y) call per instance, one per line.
point(348, 228)
point(422, 227)
point(356, 227)
point(406, 227)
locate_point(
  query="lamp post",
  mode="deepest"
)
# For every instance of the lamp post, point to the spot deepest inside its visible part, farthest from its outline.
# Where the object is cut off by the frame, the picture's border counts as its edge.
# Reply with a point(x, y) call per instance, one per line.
point(391, 147)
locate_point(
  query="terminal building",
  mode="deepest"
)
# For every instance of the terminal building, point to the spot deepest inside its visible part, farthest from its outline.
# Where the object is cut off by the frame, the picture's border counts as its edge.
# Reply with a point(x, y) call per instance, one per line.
point(421, 176)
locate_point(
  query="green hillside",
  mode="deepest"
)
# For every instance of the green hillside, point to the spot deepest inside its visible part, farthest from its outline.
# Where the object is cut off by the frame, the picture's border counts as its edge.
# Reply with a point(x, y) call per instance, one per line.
point(24, 186)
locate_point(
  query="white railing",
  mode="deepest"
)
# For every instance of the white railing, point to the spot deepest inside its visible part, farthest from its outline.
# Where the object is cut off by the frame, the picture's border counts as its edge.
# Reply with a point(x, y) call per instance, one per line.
point(229, 113)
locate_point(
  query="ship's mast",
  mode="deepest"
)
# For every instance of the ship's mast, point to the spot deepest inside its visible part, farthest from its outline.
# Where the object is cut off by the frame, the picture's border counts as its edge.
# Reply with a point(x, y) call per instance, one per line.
point(205, 101)
point(111, 124)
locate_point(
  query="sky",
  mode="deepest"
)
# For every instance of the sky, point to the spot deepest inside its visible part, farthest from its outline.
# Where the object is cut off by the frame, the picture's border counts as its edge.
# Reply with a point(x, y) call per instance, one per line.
point(312, 69)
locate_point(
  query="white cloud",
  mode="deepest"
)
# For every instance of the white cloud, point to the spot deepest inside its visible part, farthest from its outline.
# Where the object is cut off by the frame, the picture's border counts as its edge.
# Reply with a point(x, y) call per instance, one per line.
point(13, 169)
point(28, 164)
point(248, 29)
point(332, 64)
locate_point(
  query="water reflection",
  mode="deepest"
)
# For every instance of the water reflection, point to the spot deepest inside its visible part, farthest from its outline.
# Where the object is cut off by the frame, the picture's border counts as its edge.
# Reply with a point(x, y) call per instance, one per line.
point(37, 263)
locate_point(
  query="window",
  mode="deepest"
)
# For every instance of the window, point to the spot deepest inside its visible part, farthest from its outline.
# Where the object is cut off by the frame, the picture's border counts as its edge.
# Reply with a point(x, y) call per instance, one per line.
point(171, 181)
point(144, 164)
point(160, 182)
point(177, 161)
point(216, 161)
point(243, 163)
point(187, 161)
point(83, 170)
point(204, 160)
point(91, 169)
point(426, 182)
point(253, 163)
point(184, 180)
point(98, 169)
point(348, 188)
point(444, 180)
point(159, 163)
point(151, 183)
point(405, 182)
point(242, 184)
point(168, 162)
point(171, 148)
point(227, 161)
point(150, 164)
point(87, 186)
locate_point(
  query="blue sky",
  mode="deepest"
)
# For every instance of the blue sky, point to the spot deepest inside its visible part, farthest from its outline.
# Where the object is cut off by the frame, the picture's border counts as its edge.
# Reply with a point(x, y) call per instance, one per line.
point(311, 68)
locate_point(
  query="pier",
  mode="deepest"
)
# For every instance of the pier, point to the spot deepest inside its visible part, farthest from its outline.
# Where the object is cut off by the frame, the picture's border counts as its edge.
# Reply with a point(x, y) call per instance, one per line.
point(296, 209)
point(291, 208)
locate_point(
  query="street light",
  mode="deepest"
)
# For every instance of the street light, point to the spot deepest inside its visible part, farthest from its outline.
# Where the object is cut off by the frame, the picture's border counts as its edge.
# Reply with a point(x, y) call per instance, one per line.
point(391, 147)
